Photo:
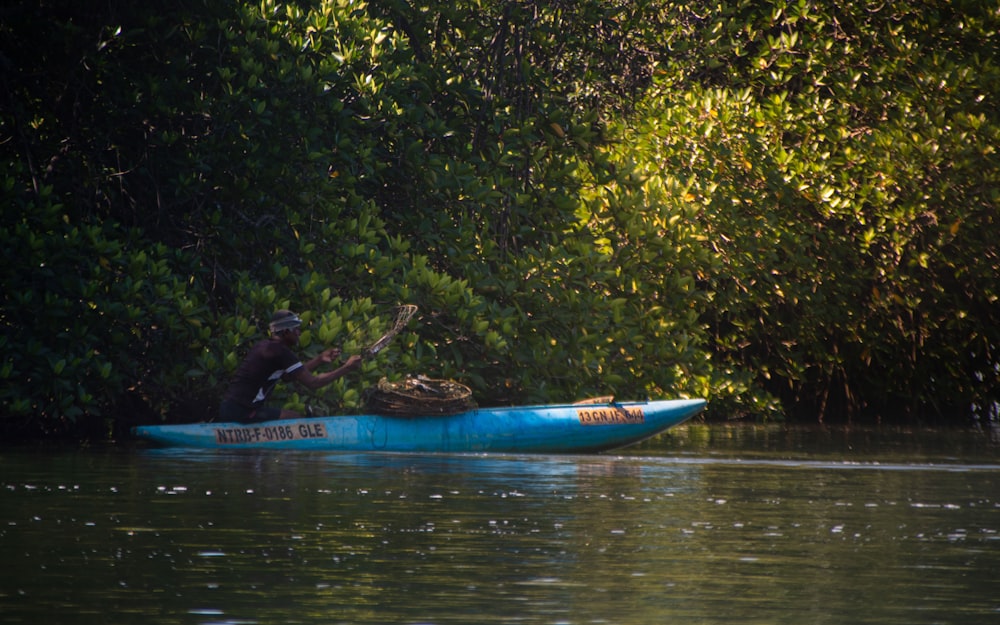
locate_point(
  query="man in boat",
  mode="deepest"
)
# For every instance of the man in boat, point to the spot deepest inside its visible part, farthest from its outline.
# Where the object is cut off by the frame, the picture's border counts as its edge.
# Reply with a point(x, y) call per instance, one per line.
point(271, 361)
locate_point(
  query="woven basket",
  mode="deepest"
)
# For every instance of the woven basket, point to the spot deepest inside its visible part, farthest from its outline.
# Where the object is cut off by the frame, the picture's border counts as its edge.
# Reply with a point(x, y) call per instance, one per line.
point(417, 397)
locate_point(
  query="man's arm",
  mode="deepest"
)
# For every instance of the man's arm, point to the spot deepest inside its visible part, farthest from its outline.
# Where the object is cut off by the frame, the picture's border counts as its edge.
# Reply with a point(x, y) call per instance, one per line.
point(326, 356)
point(304, 375)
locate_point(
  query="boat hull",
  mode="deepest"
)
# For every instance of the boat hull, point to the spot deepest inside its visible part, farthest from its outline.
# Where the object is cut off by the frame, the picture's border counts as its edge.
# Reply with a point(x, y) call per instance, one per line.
point(569, 428)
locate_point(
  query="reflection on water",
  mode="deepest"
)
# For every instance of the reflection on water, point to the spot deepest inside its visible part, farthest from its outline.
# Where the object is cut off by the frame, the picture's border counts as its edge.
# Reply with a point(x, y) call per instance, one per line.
point(709, 534)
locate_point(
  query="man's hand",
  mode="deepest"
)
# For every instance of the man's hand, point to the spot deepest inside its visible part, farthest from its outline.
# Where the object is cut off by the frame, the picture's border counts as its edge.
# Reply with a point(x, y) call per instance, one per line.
point(330, 355)
point(306, 377)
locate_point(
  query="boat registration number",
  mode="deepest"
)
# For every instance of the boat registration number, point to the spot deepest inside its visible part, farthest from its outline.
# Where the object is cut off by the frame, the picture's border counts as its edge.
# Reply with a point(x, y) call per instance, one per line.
point(610, 416)
point(269, 433)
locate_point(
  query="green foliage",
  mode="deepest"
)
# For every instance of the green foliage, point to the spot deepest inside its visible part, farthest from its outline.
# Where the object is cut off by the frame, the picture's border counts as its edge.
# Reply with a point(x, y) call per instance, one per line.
point(784, 207)
point(841, 160)
point(93, 320)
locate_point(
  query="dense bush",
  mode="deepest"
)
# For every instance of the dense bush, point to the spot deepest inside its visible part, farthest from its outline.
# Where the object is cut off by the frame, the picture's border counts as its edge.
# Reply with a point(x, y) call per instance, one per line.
point(784, 207)
point(845, 164)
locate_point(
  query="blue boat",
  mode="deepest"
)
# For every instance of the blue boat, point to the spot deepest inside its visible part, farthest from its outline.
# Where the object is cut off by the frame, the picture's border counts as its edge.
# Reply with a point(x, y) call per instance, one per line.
point(560, 428)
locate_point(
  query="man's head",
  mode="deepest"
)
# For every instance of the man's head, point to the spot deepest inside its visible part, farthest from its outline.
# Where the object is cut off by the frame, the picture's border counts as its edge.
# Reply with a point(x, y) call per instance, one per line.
point(284, 321)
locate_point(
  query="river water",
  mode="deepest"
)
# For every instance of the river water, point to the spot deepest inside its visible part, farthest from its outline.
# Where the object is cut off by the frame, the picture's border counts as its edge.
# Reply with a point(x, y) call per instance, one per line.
point(706, 525)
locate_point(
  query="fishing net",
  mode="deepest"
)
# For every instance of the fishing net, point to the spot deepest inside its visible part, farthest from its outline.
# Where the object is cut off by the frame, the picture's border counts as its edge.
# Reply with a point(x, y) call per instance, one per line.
point(418, 396)
point(403, 315)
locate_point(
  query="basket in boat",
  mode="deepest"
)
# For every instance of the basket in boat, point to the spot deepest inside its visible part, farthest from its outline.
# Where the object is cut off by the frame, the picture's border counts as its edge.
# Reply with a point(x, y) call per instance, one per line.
point(418, 396)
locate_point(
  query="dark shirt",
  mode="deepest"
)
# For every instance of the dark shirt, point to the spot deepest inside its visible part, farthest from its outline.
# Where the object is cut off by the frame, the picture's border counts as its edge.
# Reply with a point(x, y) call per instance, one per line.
point(267, 363)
